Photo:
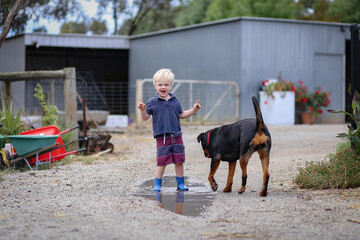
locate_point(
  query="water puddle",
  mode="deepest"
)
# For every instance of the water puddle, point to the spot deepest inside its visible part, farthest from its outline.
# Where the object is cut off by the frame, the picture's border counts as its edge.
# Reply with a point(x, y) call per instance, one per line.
point(191, 203)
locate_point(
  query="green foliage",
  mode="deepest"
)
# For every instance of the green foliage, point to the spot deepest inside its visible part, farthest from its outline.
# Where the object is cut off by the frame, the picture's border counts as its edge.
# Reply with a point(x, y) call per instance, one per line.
point(353, 134)
point(191, 12)
point(50, 113)
point(37, 9)
point(220, 9)
point(280, 85)
point(274, 9)
point(158, 15)
point(88, 160)
point(157, 18)
point(98, 27)
point(345, 11)
point(74, 27)
point(341, 171)
point(11, 125)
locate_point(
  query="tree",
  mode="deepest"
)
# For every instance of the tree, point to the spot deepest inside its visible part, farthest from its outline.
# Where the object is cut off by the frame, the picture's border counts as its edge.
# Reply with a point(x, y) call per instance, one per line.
point(315, 10)
point(134, 11)
point(345, 11)
point(191, 12)
point(161, 17)
point(14, 17)
point(98, 27)
point(118, 7)
point(220, 9)
point(273, 9)
point(41, 29)
point(74, 27)
point(9, 20)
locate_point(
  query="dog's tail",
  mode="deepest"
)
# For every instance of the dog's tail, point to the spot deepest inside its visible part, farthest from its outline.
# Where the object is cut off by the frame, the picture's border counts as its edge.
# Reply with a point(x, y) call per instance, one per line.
point(259, 118)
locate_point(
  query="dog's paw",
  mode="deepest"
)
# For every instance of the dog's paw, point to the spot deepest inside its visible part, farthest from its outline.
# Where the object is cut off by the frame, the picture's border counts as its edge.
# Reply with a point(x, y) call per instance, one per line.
point(263, 193)
point(227, 189)
point(241, 190)
point(214, 186)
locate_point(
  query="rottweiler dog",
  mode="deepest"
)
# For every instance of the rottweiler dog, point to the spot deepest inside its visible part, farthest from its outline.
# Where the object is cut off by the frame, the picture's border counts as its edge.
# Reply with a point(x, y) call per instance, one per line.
point(236, 141)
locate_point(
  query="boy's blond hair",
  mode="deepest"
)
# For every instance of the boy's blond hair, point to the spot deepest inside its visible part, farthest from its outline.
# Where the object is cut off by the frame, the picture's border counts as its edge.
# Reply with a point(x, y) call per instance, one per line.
point(164, 73)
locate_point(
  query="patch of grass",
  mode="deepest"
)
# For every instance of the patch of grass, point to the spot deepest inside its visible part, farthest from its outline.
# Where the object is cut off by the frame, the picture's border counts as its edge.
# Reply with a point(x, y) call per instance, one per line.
point(341, 171)
point(7, 171)
point(343, 145)
point(65, 161)
point(88, 160)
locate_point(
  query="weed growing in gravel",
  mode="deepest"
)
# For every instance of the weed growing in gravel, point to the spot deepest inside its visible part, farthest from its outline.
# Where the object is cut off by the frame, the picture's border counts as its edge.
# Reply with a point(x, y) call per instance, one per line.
point(7, 171)
point(65, 161)
point(341, 171)
point(88, 160)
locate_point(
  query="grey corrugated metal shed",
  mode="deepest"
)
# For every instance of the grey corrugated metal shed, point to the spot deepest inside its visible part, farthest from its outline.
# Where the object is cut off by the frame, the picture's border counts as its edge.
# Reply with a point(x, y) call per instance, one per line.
point(247, 50)
point(102, 59)
point(75, 41)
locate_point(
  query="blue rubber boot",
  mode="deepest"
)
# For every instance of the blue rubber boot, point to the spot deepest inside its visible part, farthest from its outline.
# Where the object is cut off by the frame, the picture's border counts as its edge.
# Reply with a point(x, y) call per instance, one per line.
point(180, 184)
point(157, 187)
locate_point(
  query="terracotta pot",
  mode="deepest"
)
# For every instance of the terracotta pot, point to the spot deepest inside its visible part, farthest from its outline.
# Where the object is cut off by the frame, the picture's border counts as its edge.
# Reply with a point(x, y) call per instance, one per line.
point(307, 118)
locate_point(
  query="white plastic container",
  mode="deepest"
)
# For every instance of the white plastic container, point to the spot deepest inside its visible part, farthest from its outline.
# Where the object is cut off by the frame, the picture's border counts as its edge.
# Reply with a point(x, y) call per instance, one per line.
point(114, 121)
point(279, 110)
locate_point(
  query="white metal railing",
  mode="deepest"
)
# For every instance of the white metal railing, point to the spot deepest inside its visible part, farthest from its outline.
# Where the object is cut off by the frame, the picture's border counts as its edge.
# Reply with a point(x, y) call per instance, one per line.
point(218, 95)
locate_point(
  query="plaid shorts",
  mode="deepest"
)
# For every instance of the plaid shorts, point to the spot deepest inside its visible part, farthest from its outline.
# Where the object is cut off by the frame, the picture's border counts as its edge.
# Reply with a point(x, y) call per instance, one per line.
point(170, 149)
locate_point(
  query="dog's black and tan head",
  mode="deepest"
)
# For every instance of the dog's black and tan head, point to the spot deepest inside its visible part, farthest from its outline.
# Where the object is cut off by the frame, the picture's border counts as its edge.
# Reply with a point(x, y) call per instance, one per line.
point(203, 139)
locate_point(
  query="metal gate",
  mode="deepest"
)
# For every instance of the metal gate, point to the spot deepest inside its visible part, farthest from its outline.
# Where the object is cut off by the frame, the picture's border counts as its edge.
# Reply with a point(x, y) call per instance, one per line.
point(220, 100)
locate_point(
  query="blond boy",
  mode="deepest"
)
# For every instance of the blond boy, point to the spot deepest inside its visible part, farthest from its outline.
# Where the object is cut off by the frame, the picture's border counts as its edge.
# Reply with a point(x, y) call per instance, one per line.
point(166, 113)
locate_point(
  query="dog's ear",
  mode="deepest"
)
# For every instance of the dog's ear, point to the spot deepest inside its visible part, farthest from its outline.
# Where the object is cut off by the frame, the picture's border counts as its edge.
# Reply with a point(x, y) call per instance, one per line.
point(200, 137)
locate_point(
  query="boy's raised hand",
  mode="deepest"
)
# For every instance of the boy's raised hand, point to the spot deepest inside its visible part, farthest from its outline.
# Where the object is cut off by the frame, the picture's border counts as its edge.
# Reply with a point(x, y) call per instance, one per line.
point(197, 106)
point(141, 105)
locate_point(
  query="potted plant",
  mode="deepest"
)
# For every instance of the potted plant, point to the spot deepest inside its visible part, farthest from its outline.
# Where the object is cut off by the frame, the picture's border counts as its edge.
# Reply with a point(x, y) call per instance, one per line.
point(310, 104)
point(277, 101)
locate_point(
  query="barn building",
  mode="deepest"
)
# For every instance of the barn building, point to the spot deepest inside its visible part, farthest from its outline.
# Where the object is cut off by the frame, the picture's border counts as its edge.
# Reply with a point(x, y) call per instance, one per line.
point(244, 50)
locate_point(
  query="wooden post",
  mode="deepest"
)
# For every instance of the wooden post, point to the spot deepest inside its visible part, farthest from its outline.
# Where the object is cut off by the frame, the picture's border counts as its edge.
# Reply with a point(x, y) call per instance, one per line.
point(6, 93)
point(138, 95)
point(70, 98)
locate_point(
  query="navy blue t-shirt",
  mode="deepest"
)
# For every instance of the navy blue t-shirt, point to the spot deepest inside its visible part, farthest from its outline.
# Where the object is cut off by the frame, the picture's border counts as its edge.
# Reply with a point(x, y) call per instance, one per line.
point(165, 114)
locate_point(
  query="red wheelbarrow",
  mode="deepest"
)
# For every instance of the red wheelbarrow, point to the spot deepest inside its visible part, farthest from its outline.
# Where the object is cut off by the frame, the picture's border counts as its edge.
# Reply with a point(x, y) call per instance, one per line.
point(58, 153)
point(41, 145)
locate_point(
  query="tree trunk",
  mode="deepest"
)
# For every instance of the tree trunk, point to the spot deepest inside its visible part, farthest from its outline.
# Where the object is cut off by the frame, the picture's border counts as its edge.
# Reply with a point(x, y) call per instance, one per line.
point(10, 20)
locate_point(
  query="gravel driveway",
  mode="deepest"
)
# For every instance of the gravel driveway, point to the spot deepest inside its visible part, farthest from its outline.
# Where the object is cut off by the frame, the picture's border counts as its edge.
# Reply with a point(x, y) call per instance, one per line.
point(79, 201)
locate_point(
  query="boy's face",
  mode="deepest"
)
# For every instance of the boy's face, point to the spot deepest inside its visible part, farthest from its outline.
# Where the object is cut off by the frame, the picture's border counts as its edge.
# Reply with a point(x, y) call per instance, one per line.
point(163, 88)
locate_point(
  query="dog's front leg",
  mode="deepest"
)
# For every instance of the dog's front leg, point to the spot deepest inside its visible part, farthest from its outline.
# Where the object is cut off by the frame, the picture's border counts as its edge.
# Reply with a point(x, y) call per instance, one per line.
point(265, 159)
point(243, 164)
point(229, 183)
point(214, 166)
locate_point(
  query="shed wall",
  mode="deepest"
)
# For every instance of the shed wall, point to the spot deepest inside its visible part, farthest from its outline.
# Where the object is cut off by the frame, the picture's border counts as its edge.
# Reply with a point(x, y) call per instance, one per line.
point(12, 55)
point(208, 53)
point(248, 51)
point(312, 53)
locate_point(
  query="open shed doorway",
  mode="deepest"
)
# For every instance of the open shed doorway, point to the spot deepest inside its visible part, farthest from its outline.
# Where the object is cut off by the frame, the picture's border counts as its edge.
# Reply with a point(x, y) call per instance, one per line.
point(101, 73)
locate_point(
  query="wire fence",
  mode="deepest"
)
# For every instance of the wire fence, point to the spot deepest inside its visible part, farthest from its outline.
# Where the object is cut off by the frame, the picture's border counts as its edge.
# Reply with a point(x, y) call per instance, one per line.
point(18, 88)
point(219, 100)
point(106, 96)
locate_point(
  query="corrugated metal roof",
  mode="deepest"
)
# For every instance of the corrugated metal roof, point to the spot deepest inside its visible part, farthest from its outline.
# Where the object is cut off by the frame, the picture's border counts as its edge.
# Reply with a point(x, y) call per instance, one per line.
point(76, 41)
point(237, 19)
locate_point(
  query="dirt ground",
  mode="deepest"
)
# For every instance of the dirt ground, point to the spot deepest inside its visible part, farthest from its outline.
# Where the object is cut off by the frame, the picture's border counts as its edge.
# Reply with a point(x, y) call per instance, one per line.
point(96, 201)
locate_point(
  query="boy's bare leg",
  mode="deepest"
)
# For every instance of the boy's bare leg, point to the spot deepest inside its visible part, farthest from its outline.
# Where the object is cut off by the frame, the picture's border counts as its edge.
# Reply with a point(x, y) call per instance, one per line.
point(179, 170)
point(159, 172)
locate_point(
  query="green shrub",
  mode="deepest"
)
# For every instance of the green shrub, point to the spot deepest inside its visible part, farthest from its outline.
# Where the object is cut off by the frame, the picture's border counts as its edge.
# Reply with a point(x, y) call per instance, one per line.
point(11, 125)
point(341, 171)
point(50, 113)
point(353, 134)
